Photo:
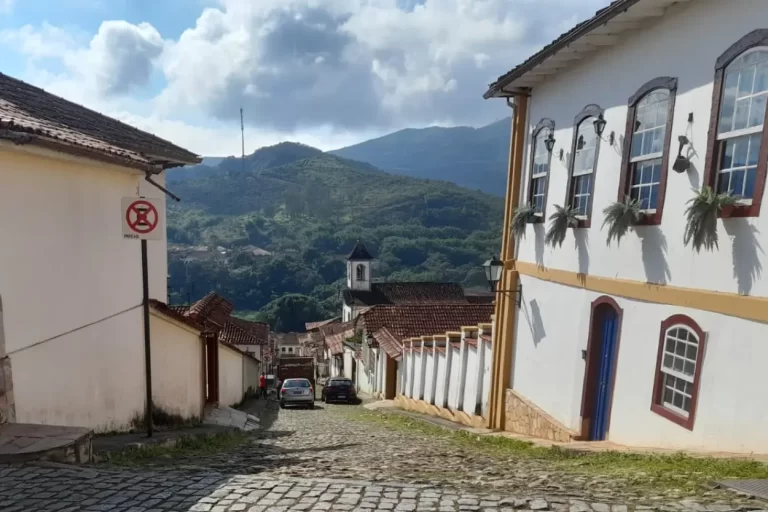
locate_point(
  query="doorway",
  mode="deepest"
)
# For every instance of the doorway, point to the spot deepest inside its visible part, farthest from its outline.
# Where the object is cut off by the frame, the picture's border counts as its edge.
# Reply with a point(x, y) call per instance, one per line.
point(600, 372)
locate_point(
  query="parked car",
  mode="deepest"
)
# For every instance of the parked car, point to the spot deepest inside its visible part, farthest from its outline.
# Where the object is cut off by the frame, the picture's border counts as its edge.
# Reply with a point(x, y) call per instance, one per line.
point(339, 390)
point(297, 392)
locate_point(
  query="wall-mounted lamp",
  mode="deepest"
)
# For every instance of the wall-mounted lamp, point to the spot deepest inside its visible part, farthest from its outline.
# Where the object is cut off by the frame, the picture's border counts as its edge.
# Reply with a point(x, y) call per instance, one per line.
point(493, 268)
point(600, 125)
point(549, 142)
point(682, 163)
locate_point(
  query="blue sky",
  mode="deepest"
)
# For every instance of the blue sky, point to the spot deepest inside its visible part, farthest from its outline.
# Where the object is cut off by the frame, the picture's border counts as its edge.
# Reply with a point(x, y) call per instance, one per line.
point(327, 73)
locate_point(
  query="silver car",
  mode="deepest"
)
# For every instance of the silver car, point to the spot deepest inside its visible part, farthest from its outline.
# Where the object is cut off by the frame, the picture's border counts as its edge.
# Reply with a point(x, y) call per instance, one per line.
point(297, 392)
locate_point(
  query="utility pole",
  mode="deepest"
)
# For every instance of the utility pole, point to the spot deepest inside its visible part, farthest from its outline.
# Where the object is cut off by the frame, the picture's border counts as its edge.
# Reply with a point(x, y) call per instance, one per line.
point(242, 140)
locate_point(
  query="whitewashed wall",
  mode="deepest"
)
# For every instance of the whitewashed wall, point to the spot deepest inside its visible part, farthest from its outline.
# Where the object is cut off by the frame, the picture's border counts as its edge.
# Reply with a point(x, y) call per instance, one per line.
point(549, 370)
point(364, 383)
point(454, 390)
point(429, 374)
point(486, 379)
point(417, 373)
point(440, 388)
point(470, 386)
point(349, 362)
point(177, 368)
point(685, 44)
point(251, 373)
point(73, 329)
point(230, 376)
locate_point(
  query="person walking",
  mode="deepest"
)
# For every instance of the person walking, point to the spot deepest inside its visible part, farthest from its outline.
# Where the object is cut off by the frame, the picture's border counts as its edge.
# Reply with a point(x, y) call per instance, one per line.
point(263, 385)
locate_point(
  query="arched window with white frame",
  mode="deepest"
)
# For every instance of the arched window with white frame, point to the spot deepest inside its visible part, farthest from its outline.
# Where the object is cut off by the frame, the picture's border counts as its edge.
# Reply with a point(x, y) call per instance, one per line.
point(736, 156)
point(681, 350)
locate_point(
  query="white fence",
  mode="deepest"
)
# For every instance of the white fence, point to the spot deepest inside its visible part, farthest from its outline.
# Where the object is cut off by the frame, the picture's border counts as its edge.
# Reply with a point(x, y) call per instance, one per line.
point(450, 373)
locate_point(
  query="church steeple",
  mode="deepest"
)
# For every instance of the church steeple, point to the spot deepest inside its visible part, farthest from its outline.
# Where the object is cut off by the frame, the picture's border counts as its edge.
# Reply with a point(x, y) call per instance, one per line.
point(359, 268)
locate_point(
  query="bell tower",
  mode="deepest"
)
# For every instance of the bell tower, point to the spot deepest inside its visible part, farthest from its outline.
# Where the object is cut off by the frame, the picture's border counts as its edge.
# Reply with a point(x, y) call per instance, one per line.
point(359, 268)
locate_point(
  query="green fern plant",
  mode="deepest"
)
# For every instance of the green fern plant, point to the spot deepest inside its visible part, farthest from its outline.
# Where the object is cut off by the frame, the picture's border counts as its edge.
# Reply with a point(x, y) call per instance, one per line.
point(559, 222)
point(620, 217)
point(701, 217)
point(523, 215)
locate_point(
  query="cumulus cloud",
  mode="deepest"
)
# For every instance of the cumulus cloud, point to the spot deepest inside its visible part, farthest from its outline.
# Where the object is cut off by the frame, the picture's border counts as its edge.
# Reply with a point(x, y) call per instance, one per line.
point(322, 68)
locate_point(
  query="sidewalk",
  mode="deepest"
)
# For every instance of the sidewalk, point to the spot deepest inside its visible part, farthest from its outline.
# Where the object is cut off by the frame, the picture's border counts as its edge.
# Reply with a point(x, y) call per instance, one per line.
point(574, 446)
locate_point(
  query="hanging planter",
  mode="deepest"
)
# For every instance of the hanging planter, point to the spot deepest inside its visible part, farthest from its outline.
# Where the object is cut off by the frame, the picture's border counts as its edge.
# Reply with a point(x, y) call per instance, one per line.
point(524, 215)
point(701, 217)
point(559, 222)
point(620, 217)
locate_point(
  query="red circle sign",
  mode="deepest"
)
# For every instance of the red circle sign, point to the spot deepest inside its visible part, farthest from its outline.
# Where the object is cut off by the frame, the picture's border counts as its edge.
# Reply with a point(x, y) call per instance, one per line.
point(142, 217)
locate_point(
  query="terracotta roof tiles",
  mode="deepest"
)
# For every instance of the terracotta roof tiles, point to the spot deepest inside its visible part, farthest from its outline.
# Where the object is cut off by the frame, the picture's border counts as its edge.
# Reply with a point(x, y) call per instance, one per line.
point(407, 320)
point(406, 293)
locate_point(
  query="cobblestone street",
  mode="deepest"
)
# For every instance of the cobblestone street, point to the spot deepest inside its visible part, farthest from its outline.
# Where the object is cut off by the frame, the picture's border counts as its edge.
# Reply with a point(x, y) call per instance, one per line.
point(326, 459)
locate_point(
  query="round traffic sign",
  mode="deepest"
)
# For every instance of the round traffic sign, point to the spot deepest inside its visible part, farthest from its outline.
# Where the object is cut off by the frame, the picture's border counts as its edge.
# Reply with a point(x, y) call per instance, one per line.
point(142, 217)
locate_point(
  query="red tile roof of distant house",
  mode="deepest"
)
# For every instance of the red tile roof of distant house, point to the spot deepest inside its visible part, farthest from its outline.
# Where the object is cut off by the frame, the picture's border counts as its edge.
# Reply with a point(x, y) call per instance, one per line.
point(314, 325)
point(335, 341)
point(233, 334)
point(407, 320)
point(211, 308)
point(259, 330)
point(406, 293)
point(170, 312)
point(388, 343)
point(30, 115)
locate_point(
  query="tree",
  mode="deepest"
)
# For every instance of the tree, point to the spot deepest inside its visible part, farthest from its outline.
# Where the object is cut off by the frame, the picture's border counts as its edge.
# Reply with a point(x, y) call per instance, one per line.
point(290, 312)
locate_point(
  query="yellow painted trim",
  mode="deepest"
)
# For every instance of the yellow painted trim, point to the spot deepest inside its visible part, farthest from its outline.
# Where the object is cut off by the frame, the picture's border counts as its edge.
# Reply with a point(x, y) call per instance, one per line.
point(485, 326)
point(731, 304)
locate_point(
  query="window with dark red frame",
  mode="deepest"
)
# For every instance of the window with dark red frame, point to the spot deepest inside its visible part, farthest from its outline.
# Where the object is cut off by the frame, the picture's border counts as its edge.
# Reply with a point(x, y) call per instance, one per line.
point(678, 370)
point(645, 159)
point(541, 159)
point(584, 154)
point(737, 151)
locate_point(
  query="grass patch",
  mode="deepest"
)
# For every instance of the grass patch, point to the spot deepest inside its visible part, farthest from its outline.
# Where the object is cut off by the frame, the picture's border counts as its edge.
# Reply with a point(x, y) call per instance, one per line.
point(649, 471)
point(189, 446)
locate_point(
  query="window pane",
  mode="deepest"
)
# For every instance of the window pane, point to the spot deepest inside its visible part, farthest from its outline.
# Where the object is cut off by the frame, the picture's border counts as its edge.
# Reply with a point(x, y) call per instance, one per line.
point(757, 113)
point(729, 102)
point(668, 359)
point(687, 404)
point(678, 366)
point(680, 349)
point(746, 81)
point(691, 352)
point(741, 117)
point(749, 184)
point(678, 400)
point(689, 368)
point(668, 394)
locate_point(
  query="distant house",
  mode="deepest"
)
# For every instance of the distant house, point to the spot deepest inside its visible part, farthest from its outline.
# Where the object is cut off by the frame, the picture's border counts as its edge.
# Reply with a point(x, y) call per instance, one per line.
point(71, 329)
point(287, 344)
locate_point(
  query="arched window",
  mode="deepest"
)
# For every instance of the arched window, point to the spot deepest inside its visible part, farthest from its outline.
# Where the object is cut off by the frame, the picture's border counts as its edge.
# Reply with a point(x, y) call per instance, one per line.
point(586, 146)
point(361, 272)
point(648, 137)
point(736, 156)
point(540, 163)
point(678, 368)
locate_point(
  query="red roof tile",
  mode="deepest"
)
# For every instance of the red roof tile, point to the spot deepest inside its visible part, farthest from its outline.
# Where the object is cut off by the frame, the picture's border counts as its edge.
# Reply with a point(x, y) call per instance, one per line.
point(259, 330)
point(314, 325)
point(170, 312)
point(406, 293)
point(388, 343)
point(404, 321)
point(211, 308)
point(28, 114)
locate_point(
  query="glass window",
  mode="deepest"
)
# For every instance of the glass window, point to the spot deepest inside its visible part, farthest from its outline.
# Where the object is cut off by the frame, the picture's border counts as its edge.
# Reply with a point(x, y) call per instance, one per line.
point(647, 148)
point(740, 126)
point(678, 369)
point(540, 172)
point(584, 160)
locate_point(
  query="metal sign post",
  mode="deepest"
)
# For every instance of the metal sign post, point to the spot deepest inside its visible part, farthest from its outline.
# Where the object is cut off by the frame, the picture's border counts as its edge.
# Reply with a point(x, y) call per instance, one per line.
point(142, 221)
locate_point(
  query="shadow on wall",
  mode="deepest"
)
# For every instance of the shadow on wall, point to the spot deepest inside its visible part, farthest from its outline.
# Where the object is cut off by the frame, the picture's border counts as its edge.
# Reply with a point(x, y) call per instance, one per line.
point(654, 254)
point(744, 248)
point(535, 322)
point(581, 241)
point(539, 233)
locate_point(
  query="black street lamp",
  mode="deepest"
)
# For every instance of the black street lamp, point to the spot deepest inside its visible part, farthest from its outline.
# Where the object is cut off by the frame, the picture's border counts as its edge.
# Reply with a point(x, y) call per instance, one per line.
point(600, 123)
point(493, 269)
point(549, 142)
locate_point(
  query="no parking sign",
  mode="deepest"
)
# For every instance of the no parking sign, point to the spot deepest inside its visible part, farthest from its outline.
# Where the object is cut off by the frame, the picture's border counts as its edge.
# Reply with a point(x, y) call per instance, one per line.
point(142, 218)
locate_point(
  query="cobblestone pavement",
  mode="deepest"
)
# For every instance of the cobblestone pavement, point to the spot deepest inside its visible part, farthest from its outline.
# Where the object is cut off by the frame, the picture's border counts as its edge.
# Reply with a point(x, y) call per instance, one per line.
point(323, 460)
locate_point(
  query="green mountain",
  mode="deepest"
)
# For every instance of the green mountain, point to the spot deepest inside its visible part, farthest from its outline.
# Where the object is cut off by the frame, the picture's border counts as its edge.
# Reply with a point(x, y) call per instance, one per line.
point(475, 158)
point(258, 235)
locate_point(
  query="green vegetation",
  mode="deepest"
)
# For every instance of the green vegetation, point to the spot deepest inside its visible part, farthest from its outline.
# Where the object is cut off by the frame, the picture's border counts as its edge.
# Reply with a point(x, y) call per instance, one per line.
point(689, 475)
point(308, 214)
point(187, 446)
point(701, 217)
point(620, 217)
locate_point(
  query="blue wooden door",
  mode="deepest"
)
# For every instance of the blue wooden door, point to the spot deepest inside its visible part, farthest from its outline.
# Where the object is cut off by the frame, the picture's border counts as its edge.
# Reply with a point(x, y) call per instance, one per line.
point(609, 326)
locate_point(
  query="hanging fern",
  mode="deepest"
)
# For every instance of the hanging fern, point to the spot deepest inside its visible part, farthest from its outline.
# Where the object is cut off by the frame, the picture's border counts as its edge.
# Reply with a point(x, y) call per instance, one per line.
point(701, 218)
point(523, 215)
point(620, 217)
point(560, 221)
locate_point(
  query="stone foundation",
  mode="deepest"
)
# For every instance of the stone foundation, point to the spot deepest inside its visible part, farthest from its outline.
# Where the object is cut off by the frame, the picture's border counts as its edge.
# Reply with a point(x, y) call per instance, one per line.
point(524, 417)
point(422, 407)
point(7, 408)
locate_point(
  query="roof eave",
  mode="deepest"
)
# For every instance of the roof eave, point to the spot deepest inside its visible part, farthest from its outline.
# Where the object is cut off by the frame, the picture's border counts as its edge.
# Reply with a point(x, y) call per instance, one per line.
point(497, 89)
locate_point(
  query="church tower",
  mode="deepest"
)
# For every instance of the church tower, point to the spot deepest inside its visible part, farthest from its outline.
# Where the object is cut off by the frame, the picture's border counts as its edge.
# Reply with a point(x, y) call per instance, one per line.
point(359, 268)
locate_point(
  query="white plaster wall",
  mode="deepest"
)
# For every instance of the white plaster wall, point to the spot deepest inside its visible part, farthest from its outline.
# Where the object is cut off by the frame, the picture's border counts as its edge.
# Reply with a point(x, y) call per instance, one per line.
point(83, 379)
point(429, 373)
point(487, 359)
point(684, 43)
point(71, 287)
point(406, 373)
point(349, 361)
point(455, 378)
point(230, 376)
point(251, 373)
point(177, 368)
point(549, 370)
point(352, 282)
point(440, 390)
point(417, 374)
point(470, 386)
point(364, 383)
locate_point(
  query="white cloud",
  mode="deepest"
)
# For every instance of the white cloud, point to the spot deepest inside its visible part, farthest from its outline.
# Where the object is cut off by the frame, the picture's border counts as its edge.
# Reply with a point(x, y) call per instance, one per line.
point(6, 6)
point(321, 71)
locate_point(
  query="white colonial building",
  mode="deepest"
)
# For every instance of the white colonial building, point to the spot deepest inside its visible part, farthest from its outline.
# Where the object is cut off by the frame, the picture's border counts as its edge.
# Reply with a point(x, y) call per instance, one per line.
point(648, 341)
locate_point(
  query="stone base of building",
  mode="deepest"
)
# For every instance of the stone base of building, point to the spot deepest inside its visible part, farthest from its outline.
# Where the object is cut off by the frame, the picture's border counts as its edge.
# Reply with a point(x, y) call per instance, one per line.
point(524, 417)
point(7, 405)
point(422, 407)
